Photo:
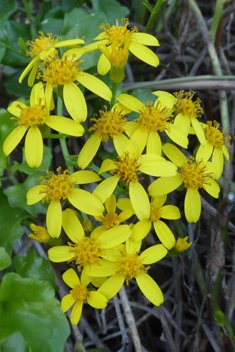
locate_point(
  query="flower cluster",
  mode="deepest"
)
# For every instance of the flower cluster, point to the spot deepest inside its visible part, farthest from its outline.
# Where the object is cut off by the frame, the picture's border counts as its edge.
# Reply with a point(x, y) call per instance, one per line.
point(106, 247)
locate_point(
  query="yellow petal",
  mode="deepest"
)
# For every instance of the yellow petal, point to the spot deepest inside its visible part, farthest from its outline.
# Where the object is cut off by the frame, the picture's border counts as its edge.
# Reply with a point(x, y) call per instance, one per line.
point(37, 95)
point(130, 128)
point(60, 254)
point(13, 139)
point(83, 177)
point(158, 167)
point(144, 54)
point(160, 200)
point(75, 102)
point(34, 147)
point(105, 268)
point(150, 289)
point(218, 161)
point(97, 281)
point(204, 152)
point(67, 302)
point(104, 65)
point(95, 85)
point(49, 97)
point(146, 39)
point(199, 131)
point(126, 214)
point(140, 230)
point(170, 212)
point(111, 286)
point(154, 144)
point(139, 140)
point(76, 312)
point(164, 234)
point(174, 154)
point(192, 205)
point(97, 232)
point(113, 254)
point(34, 195)
point(65, 125)
point(177, 136)
point(16, 108)
point(133, 247)
point(70, 278)
point(130, 102)
point(33, 74)
point(110, 204)
point(165, 185)
point(114, 236)
point(28, 68)
point(124, 204)
point(54, 219)
point(68, 43)
point(106, 188)
point(72, 225)
point(107, 165)
point(97, 300)
point(212, 188)
point(225, 152)
point(123, 144)
point(153, 254)
point(86, 202)
point(89, 151)
point(139, 201)
point(182, 121)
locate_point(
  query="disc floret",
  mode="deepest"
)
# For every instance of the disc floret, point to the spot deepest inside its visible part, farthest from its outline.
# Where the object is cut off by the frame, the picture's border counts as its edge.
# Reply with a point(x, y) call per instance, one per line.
point(130, 266)
point(153, 118)
point(215, 136)
point(187, 106)
point(155, 212)
point(127, 168)
point(79, 292)
point(41, 44)
point(32, 115)
point(194, 174)
point(110, 220)
point(118, 34)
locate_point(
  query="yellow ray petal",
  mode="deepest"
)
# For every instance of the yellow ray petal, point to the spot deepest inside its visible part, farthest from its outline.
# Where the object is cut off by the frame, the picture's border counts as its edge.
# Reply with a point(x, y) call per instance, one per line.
point(76, 312)
point(13, 139)
point(68, 43)
point(97, 300)
point(70, 278)
point(139, 140)
point(33, 73)
point(164, 234)
point(125, 214)
point(114, 254)
point(95, 85)
point(67, 302)
point(146, 39)
point(89, 151)
point(140, 230)
point(158, 168)
point(105, 268)
point(165, 185)
point(150, 289)
point(130, 128)
point(199, 131)
point(160, 200)
point(83, 177)
point(153, 254)
point(177, 136)
point(107, 165)
point(170, 212)
point(60, 254)
point(154, 144)
point(65, 125)
point(28, 68)
point(34, 195)
point(225, 152)
point(16, 107)
point(139, 201)
point(130, 102)
point(192, 205)
point(75, 102)
point(104, 65)
point(174, 154)
point(34, 147)
point(124, 204)
point(123, 144)
point(114, 236)
point(86, 202)
point(54, 219)
point(49, 97)
point(182, 121)
point(97, 281)
point(144, 54)
point(212, 188)
point(218, 161)
point(204, 152)
point(110, 204)
point(97, 232)
point(72, 225)
point(37, 95)
point(106, 188)
point(111, 286)
point(133, 247)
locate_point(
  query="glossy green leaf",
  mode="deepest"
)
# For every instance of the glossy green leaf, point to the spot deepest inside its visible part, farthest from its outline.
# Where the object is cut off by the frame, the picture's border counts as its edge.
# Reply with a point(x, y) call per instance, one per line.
point(28, 306)
point(52, 25)
point(5, 259)
point(112, 9)
point(67, 6)
point(73, 18)
point(10, 219)
point(34, 266)
point(14, 343)
point(17, 195)
point(13, 86)
point(7, 8)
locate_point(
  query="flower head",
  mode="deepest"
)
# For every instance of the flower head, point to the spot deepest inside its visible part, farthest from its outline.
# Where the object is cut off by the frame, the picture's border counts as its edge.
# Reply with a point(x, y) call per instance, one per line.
point(40, 234)
point(181, 245)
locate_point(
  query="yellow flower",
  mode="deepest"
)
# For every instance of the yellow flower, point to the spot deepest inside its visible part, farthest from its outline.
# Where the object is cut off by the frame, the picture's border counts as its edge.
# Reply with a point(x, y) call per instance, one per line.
point(111, 124)
point(127, 266)
point(63, 72)
point(187, 111)
point(40, 234)
point(54, 188)
point(180, 246)
point(194, 175)
point(86, 251)
point(80, 293)
point(152, 120)
point(215, 146)
point(31, 119)
point(42, 47)
point(153, 212)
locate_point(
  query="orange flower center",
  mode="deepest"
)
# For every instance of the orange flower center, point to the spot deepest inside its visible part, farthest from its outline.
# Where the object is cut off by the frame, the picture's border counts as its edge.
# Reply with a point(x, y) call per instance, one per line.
point(118, 34)
point(110, 124)
point(79, 292)
point(57, 187)
point(41, 44)
point(194, 174)
point(32, 115)
point(130, 266)
point(86, 252)
point(188, 107)
point(215, 136)
point(110, 220)
point(127, 168)
point(153, 118)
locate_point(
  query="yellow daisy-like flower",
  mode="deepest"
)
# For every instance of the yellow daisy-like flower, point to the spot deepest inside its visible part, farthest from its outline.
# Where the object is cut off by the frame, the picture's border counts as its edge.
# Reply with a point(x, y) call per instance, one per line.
point(42, 47)
point(40, 234)
point(180, 246)
point(153, 212)
point(63, 72)
point(31, 119)
point(86, 251)
point(194, 175)
point(187, 111)
point(126, 169)
point(54, 188)
point(215, 146)
point(78, 294)
point(129, 265)
point(111, 124)
point(152, 120)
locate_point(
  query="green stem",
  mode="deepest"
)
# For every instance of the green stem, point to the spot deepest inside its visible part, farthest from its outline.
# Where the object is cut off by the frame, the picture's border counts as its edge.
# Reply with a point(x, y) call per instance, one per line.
point(57, 136)
point(168, 13)
point(115, 87)
point(216, 18)
point(153, 15)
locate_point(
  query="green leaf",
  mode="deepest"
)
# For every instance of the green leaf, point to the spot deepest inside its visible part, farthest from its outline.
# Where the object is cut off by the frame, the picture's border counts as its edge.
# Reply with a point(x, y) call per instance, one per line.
point(28, 306)
point(112, 9)
point(14, 343)
point(7, 8)
point(73, 18)
point(13, 86)
point(10, 219)
point(67, 6)
point(52, 25)
point(34, 266)
point(17, 195)
point(5, 259)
